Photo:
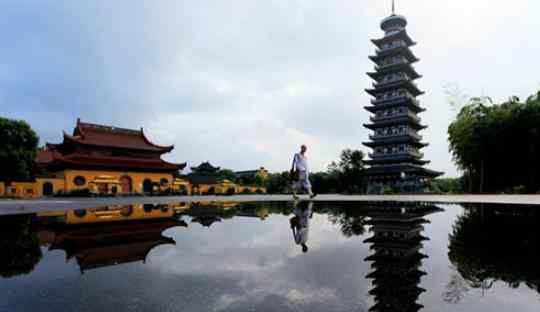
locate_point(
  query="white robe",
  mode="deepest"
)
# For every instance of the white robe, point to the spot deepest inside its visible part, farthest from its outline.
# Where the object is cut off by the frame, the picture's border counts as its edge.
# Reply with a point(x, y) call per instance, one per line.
point(300, 163)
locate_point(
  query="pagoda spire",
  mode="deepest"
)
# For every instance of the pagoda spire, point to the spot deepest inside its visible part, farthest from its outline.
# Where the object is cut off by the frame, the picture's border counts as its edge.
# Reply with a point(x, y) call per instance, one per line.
point(393, 7)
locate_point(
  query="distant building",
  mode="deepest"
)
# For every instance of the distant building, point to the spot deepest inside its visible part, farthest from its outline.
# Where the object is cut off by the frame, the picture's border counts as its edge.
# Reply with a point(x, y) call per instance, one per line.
point(205, 179)
point(262, 172)
point(396, 161)
point(204, 174)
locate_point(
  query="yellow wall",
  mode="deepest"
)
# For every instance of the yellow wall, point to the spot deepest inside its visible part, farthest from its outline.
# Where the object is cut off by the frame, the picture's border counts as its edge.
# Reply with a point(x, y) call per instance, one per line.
point(66, 184)
point(222, 188)
point(22, 189)
point(137, 178)
point(31, 189)
point(186, 187)
point(58, 184)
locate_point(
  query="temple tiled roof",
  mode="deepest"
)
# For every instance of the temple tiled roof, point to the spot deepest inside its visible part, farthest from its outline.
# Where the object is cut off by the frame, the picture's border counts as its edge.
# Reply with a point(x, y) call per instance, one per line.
point(110, 136)
point(205, 167)
point(53, 157)
point(96, 146)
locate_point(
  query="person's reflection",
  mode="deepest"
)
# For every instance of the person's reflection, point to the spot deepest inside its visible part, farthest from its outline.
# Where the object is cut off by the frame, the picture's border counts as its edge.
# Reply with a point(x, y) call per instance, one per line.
point(303, 211)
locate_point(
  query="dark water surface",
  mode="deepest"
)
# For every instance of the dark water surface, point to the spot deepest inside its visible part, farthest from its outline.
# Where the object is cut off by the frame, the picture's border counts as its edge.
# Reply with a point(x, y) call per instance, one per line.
point(322, 256)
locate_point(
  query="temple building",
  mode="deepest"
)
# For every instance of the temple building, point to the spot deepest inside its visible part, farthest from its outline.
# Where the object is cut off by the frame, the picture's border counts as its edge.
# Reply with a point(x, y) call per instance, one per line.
point(97, 160)
point(105, 159)
point(396, 259)
point(396, 161)
point(205, 179)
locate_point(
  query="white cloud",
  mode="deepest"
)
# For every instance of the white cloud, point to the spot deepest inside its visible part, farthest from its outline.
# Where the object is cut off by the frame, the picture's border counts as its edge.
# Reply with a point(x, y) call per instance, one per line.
point(243, 83)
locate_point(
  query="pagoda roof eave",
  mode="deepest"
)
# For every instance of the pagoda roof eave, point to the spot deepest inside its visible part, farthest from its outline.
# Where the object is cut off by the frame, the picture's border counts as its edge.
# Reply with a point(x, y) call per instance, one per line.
point(405, 51)
point(409, 159)
point(375, 108)
point(395, 103)
point(405, 67)
point(405, 120)
point(405, 139)
point(393, 51)
point(400, 34)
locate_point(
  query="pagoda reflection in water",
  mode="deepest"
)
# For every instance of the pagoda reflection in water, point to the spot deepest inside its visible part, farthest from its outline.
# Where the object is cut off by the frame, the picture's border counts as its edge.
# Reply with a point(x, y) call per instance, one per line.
point(397, 259)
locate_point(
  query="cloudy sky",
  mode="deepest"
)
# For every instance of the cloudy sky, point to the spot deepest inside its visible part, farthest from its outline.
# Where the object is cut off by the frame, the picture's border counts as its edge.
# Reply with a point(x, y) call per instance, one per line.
point(242, 83)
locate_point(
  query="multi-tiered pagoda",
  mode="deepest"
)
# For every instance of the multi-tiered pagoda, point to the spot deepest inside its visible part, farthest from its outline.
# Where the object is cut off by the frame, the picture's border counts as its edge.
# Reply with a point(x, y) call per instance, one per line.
point(397, 260)
point(396, 161)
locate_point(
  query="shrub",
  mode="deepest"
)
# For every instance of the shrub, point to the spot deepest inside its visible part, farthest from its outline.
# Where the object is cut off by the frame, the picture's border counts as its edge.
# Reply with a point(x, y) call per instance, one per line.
point(519, 189)
point(387, 190)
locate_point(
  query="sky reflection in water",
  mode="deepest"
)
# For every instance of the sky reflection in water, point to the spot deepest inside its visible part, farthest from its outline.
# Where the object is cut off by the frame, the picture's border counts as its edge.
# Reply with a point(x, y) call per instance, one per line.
point(245, 257)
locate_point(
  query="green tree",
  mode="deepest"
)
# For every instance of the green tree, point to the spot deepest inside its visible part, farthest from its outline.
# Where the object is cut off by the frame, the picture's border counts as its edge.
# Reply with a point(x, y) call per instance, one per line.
point(278, 183)
point(448, 185)
point(344, 176)
point(498, 145)
point(18, 150)
point(227, 174)
point(259, 179)
point(351, 167)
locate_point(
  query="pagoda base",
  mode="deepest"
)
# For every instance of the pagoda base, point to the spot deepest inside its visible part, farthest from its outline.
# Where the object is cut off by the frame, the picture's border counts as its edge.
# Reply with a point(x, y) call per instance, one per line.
point(399, 179)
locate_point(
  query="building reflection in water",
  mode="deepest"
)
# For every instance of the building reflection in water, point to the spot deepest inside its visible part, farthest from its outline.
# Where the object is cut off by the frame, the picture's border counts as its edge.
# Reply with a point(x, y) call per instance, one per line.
point(100, 237)
point(207, 213)
point(396, 259)
point(107, 236)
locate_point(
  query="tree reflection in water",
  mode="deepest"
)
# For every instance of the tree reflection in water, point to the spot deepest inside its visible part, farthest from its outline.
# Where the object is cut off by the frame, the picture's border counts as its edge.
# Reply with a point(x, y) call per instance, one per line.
point(492, 243)
point(351, 217)
point(19, 245)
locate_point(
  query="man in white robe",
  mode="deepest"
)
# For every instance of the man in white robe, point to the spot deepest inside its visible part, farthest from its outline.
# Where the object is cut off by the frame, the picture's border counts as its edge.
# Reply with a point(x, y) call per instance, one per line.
point(300, 171)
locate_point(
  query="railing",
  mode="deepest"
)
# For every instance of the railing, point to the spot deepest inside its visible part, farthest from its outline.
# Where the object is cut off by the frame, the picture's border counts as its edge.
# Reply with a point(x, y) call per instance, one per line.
point(396, 44)
point(389, 117)
point(395, 79)
point(396, 155)
point(376, 101)
point(387, 136)
point(401, 60)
